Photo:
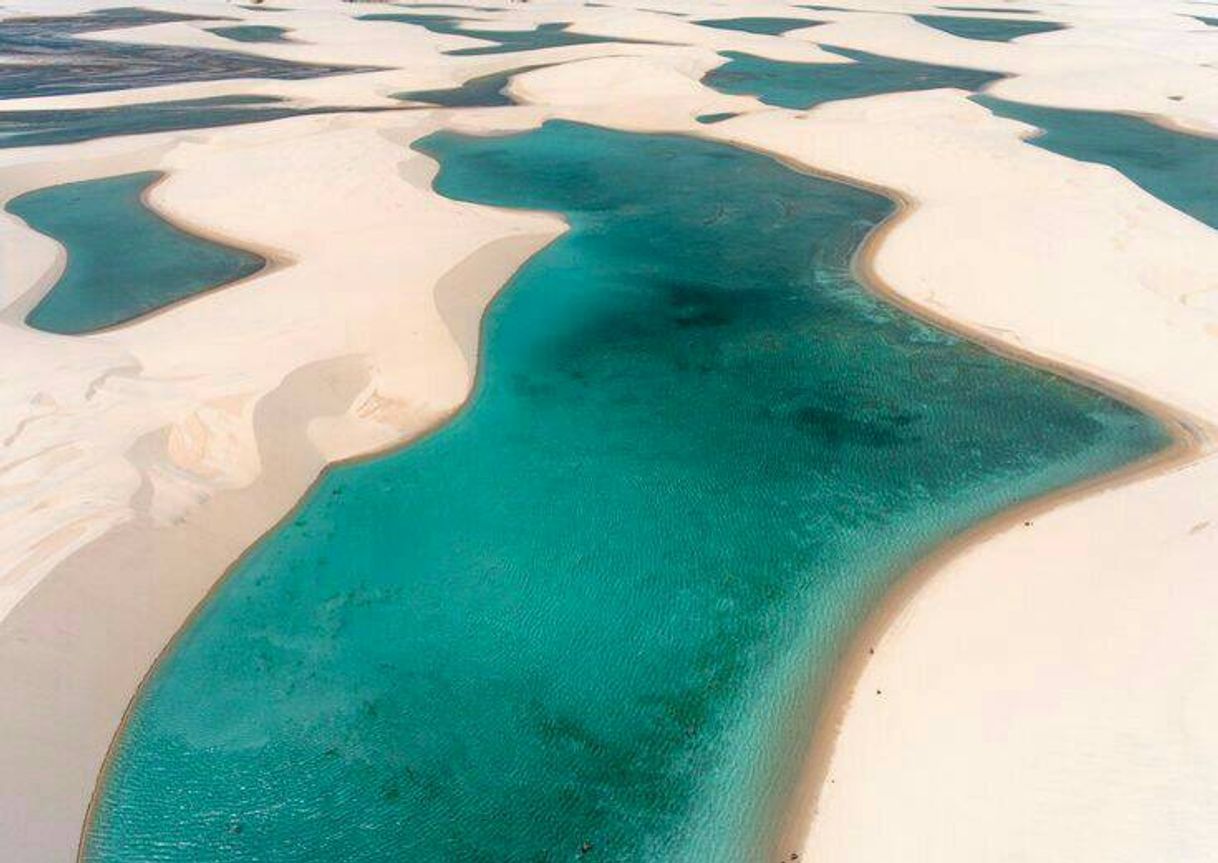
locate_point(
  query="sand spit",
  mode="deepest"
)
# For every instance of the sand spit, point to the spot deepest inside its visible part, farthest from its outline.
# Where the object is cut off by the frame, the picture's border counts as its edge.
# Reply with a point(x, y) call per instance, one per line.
point(138, 463)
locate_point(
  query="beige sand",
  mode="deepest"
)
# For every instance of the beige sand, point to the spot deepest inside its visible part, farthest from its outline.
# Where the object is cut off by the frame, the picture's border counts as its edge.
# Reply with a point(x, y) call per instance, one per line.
point(1043, 712)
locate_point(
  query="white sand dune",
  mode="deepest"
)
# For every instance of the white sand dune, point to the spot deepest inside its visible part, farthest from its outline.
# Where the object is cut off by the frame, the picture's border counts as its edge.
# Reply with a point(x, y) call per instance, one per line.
point(1044, 693)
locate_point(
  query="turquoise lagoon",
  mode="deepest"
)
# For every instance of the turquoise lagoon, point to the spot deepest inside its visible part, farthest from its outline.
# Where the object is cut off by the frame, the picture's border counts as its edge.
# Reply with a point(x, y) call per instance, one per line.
point(1177, 168)
point(485, 91)
point(552, 35)
point(252, 33)
point(1006, 9)
point(760, 25)
point(719, 117)
point(803, 85)
point(123, 259)
point(986, 29)
point(589, 618)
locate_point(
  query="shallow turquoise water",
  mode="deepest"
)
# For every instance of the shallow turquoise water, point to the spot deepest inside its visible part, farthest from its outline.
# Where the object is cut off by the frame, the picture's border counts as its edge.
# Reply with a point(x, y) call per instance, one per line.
point(553, 35)
point(589, 617)
point(761, 25)
point(802, 85)
point(486, 91)
point(252, 33)
point(123, 259)
point(986, 29)
point(1177, 168)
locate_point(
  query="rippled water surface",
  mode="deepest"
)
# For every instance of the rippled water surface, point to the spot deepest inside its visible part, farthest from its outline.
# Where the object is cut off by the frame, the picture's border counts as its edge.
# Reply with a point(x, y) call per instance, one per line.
point(589, 618)
point(44, 57)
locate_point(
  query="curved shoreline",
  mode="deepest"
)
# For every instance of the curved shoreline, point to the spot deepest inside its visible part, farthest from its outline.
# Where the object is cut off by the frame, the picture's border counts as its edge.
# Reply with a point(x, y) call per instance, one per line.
point(1187, 441)
point(1191, 437)
point(20, 308)
point(489, 254)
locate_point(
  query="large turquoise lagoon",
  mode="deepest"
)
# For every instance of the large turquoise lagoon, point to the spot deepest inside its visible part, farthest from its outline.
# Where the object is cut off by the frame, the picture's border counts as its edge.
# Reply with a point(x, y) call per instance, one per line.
point(591, 617)
point(123, 260)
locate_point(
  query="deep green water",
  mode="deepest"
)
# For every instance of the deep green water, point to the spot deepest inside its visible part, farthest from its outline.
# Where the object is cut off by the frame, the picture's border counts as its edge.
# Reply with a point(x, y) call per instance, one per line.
point(123, 260)
point(709, 119)
point(986, 29)
point(1177, 168)
point(252, 33)
point(553, 35)
point(486, 91)
point(760, 25)
point(594, 610)
point(802, 85)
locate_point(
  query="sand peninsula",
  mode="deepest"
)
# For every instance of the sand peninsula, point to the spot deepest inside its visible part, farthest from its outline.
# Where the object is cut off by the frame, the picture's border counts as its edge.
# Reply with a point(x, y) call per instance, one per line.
point(1040, 690)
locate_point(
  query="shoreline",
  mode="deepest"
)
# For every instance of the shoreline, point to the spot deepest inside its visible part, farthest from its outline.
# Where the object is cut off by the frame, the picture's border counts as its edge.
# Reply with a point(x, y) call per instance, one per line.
point(1190, 438)
point(492, 256)
point(98, 620)
point(20, 308)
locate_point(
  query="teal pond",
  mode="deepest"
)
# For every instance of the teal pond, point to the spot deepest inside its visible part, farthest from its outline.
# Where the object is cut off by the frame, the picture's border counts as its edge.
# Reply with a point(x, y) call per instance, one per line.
point(123, 260)
point(760, 25)
point(30, 128)
point(803, 85)
point(485, 91)
point(252, 33)
point(593, 615)
point(986, 29)
point(1177, 168)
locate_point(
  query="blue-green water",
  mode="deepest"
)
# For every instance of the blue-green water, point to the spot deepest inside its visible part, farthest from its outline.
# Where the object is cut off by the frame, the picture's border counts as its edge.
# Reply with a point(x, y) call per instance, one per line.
point(589, 617)
point(1210, 22)
point(709, 119)
point(123, 260)
point(70, 125)
point(802, 85)
point(252, 33)
point(759, 25)
point(1006, 9)
point(1178, 168)
point(486, 91)
point(44, 57)
point(986, 29)
point(553, 35)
